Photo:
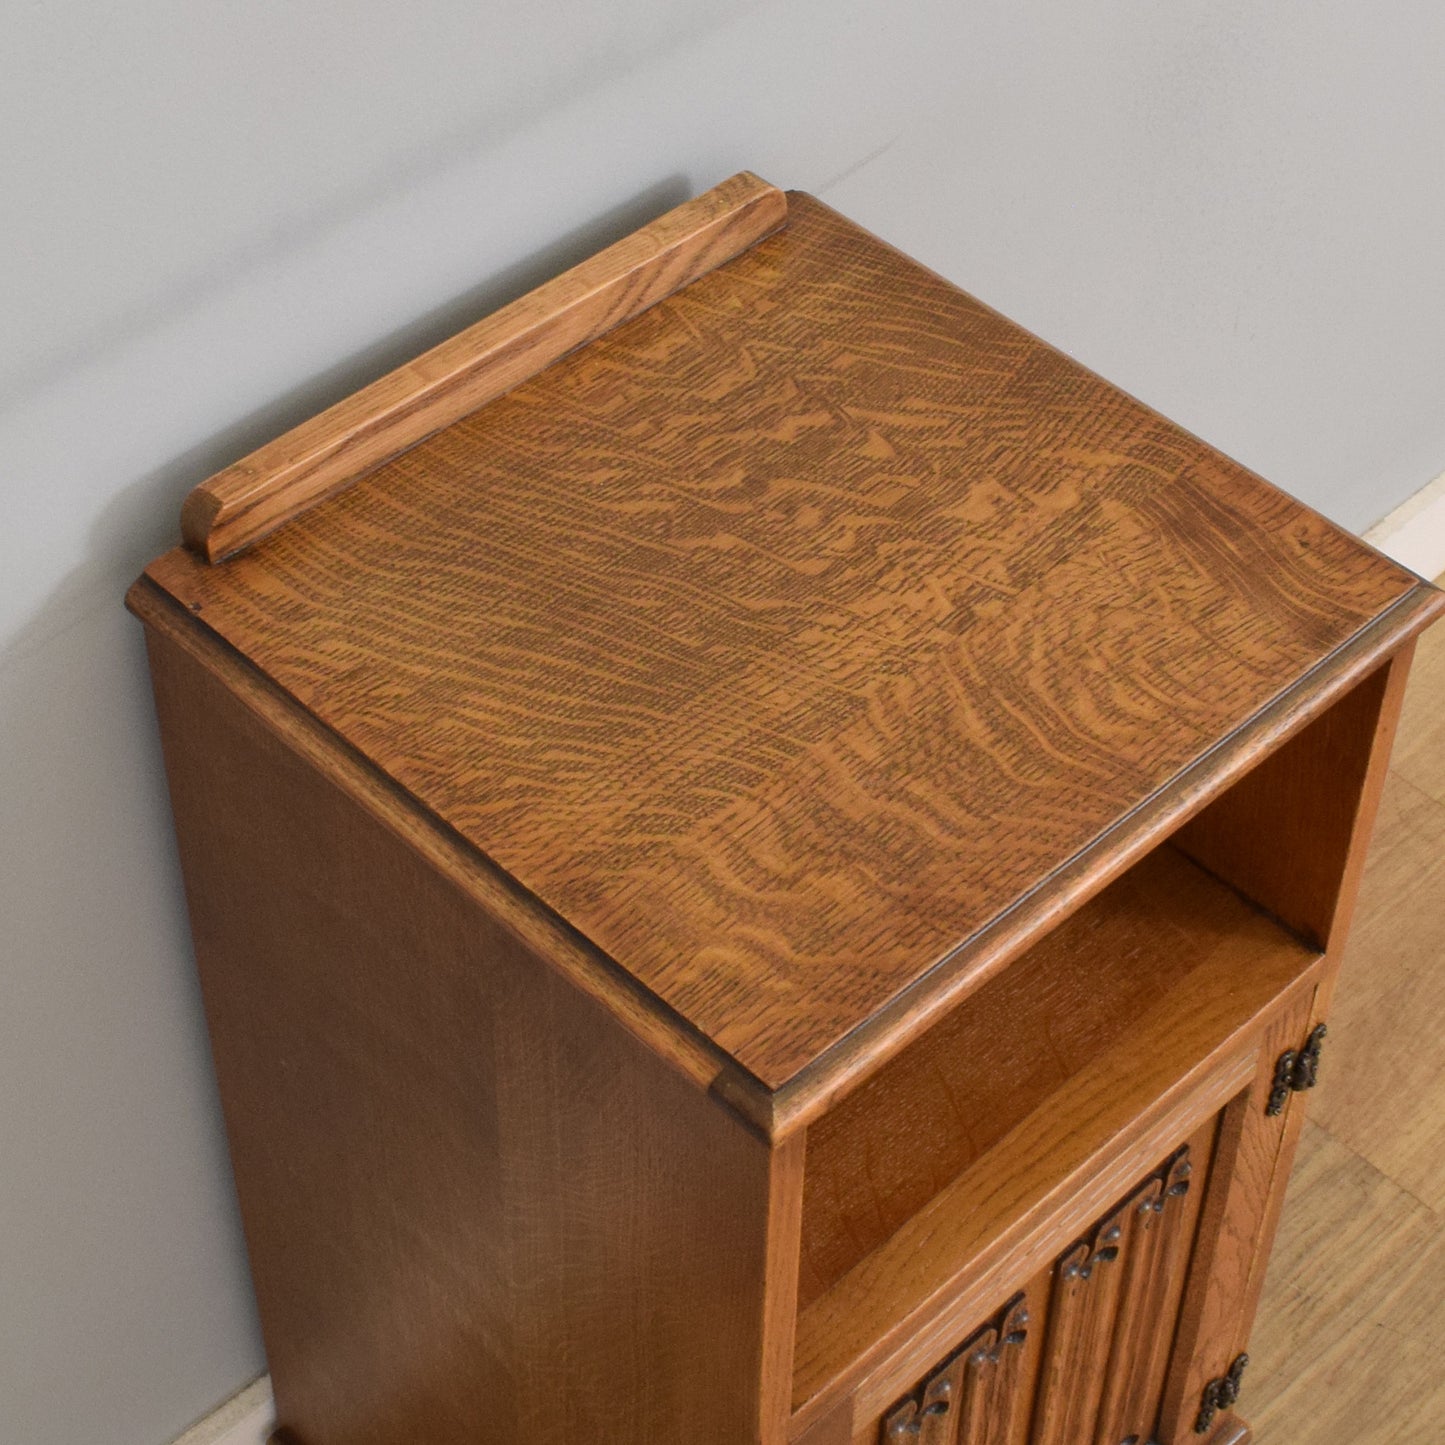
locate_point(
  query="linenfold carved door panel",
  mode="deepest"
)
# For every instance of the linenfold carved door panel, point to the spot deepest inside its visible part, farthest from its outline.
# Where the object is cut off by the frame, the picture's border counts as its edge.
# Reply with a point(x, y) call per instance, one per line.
point(972, 1397)
point(1115, 1300)
point(1079, 1357)
point(1160, 1223)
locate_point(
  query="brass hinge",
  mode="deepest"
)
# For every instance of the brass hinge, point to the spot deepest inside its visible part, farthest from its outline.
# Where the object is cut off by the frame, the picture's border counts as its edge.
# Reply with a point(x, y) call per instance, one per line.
point(1296, 1071)
point(1220, 1395)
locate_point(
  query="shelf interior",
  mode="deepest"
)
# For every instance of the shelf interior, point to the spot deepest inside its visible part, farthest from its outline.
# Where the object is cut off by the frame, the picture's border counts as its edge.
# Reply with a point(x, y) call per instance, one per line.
point(1042, 1060)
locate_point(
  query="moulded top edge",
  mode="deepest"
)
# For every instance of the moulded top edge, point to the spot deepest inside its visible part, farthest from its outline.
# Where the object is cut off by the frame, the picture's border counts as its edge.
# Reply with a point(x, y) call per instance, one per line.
point(787, 638)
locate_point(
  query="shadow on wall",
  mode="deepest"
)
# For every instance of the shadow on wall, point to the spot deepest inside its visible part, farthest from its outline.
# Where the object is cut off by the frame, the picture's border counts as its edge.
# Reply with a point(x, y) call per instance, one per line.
point(604, 46)
point(122, 1253)
point(146, 514)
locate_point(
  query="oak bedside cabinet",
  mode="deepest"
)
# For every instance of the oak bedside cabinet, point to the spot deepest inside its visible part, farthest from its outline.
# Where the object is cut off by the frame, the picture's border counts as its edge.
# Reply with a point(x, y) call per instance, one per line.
point(767, 856)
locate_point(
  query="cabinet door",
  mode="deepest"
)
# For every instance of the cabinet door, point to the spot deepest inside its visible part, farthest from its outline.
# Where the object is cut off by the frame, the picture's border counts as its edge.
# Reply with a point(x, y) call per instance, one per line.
point(1079, 1356)
point(975, 1395)
point(1116, 1295)
point(1257, 1138)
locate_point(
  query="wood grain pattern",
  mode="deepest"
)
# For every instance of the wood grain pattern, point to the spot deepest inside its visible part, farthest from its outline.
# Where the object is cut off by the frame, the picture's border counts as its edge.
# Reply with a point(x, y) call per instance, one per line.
point(1374, 737)
point(252, 498)
point(477, 1208)
point(786, 637)
point(1139, 1311)
point(1293, 833)
point(1378, 743)
point(1350, 1338)
point(1001, 1412)
point(1351, 1331)
point(547, 937)
point(1092, 1335)
point(608, 829)
point(1082, 1313)
point(834, 1428)
point(972, 1397)
point(919, 1007)
point(780, 1296)
point(1241, 1209)
point(1073, 1156)
point(1382, 1088)
point(1156, 1253)
point(939, 1106)
point(1325, 840)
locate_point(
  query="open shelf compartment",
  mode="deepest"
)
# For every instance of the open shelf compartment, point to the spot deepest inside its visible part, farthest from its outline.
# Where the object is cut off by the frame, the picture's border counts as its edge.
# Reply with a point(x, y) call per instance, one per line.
point(1118, 1018)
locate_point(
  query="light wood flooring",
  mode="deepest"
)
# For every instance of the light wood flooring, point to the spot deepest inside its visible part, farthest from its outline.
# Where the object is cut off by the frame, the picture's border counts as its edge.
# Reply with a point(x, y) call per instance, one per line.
point(1349, 1347)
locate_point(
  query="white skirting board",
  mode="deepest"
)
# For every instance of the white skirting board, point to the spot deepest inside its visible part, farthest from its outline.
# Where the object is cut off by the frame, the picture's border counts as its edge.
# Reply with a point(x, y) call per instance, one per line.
point(1413, 534)
point(245, 1419)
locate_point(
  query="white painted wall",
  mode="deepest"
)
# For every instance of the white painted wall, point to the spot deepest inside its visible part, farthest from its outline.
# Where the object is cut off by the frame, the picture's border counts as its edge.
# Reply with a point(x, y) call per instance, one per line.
point(215, 218)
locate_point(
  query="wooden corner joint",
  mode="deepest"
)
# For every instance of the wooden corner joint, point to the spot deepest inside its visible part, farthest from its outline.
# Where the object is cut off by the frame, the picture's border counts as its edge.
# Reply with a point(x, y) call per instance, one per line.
point(318, 459)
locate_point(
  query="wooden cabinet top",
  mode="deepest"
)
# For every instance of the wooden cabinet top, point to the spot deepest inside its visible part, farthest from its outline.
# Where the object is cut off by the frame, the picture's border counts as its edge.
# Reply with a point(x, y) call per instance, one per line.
point(808, 639)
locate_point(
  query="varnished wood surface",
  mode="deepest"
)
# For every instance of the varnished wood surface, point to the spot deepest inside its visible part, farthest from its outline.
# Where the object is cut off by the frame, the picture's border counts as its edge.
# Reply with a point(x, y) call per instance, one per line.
point(784, 638)
point(1326, 839)
point(1090, 1335)
point(1348, 1343)
point(1184, 1058)
point(1284, 834)
point(1251, 1167)
point(1082, 1311)
point(1157, 1244)
point(780, 1298)
point(981, 1394)
point(546, 936)
point(836, 1428)
point(252, 498)
point(477, 1208)
point(907, 1017)
point(719, 707)
point(938, 1107)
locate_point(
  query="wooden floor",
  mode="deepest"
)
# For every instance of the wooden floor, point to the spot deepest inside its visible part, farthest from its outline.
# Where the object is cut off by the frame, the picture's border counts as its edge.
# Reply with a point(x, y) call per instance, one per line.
point(1350, 1342)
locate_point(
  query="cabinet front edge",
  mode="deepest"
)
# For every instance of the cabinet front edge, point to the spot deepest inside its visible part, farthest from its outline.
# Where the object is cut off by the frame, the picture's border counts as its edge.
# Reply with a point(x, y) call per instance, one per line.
point(814, 1089)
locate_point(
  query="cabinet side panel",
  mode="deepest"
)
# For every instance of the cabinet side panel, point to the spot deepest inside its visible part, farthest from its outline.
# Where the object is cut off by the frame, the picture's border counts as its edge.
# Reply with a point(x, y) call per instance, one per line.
point(638, 1215)
point(478, 1210)
point(1291, 833)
